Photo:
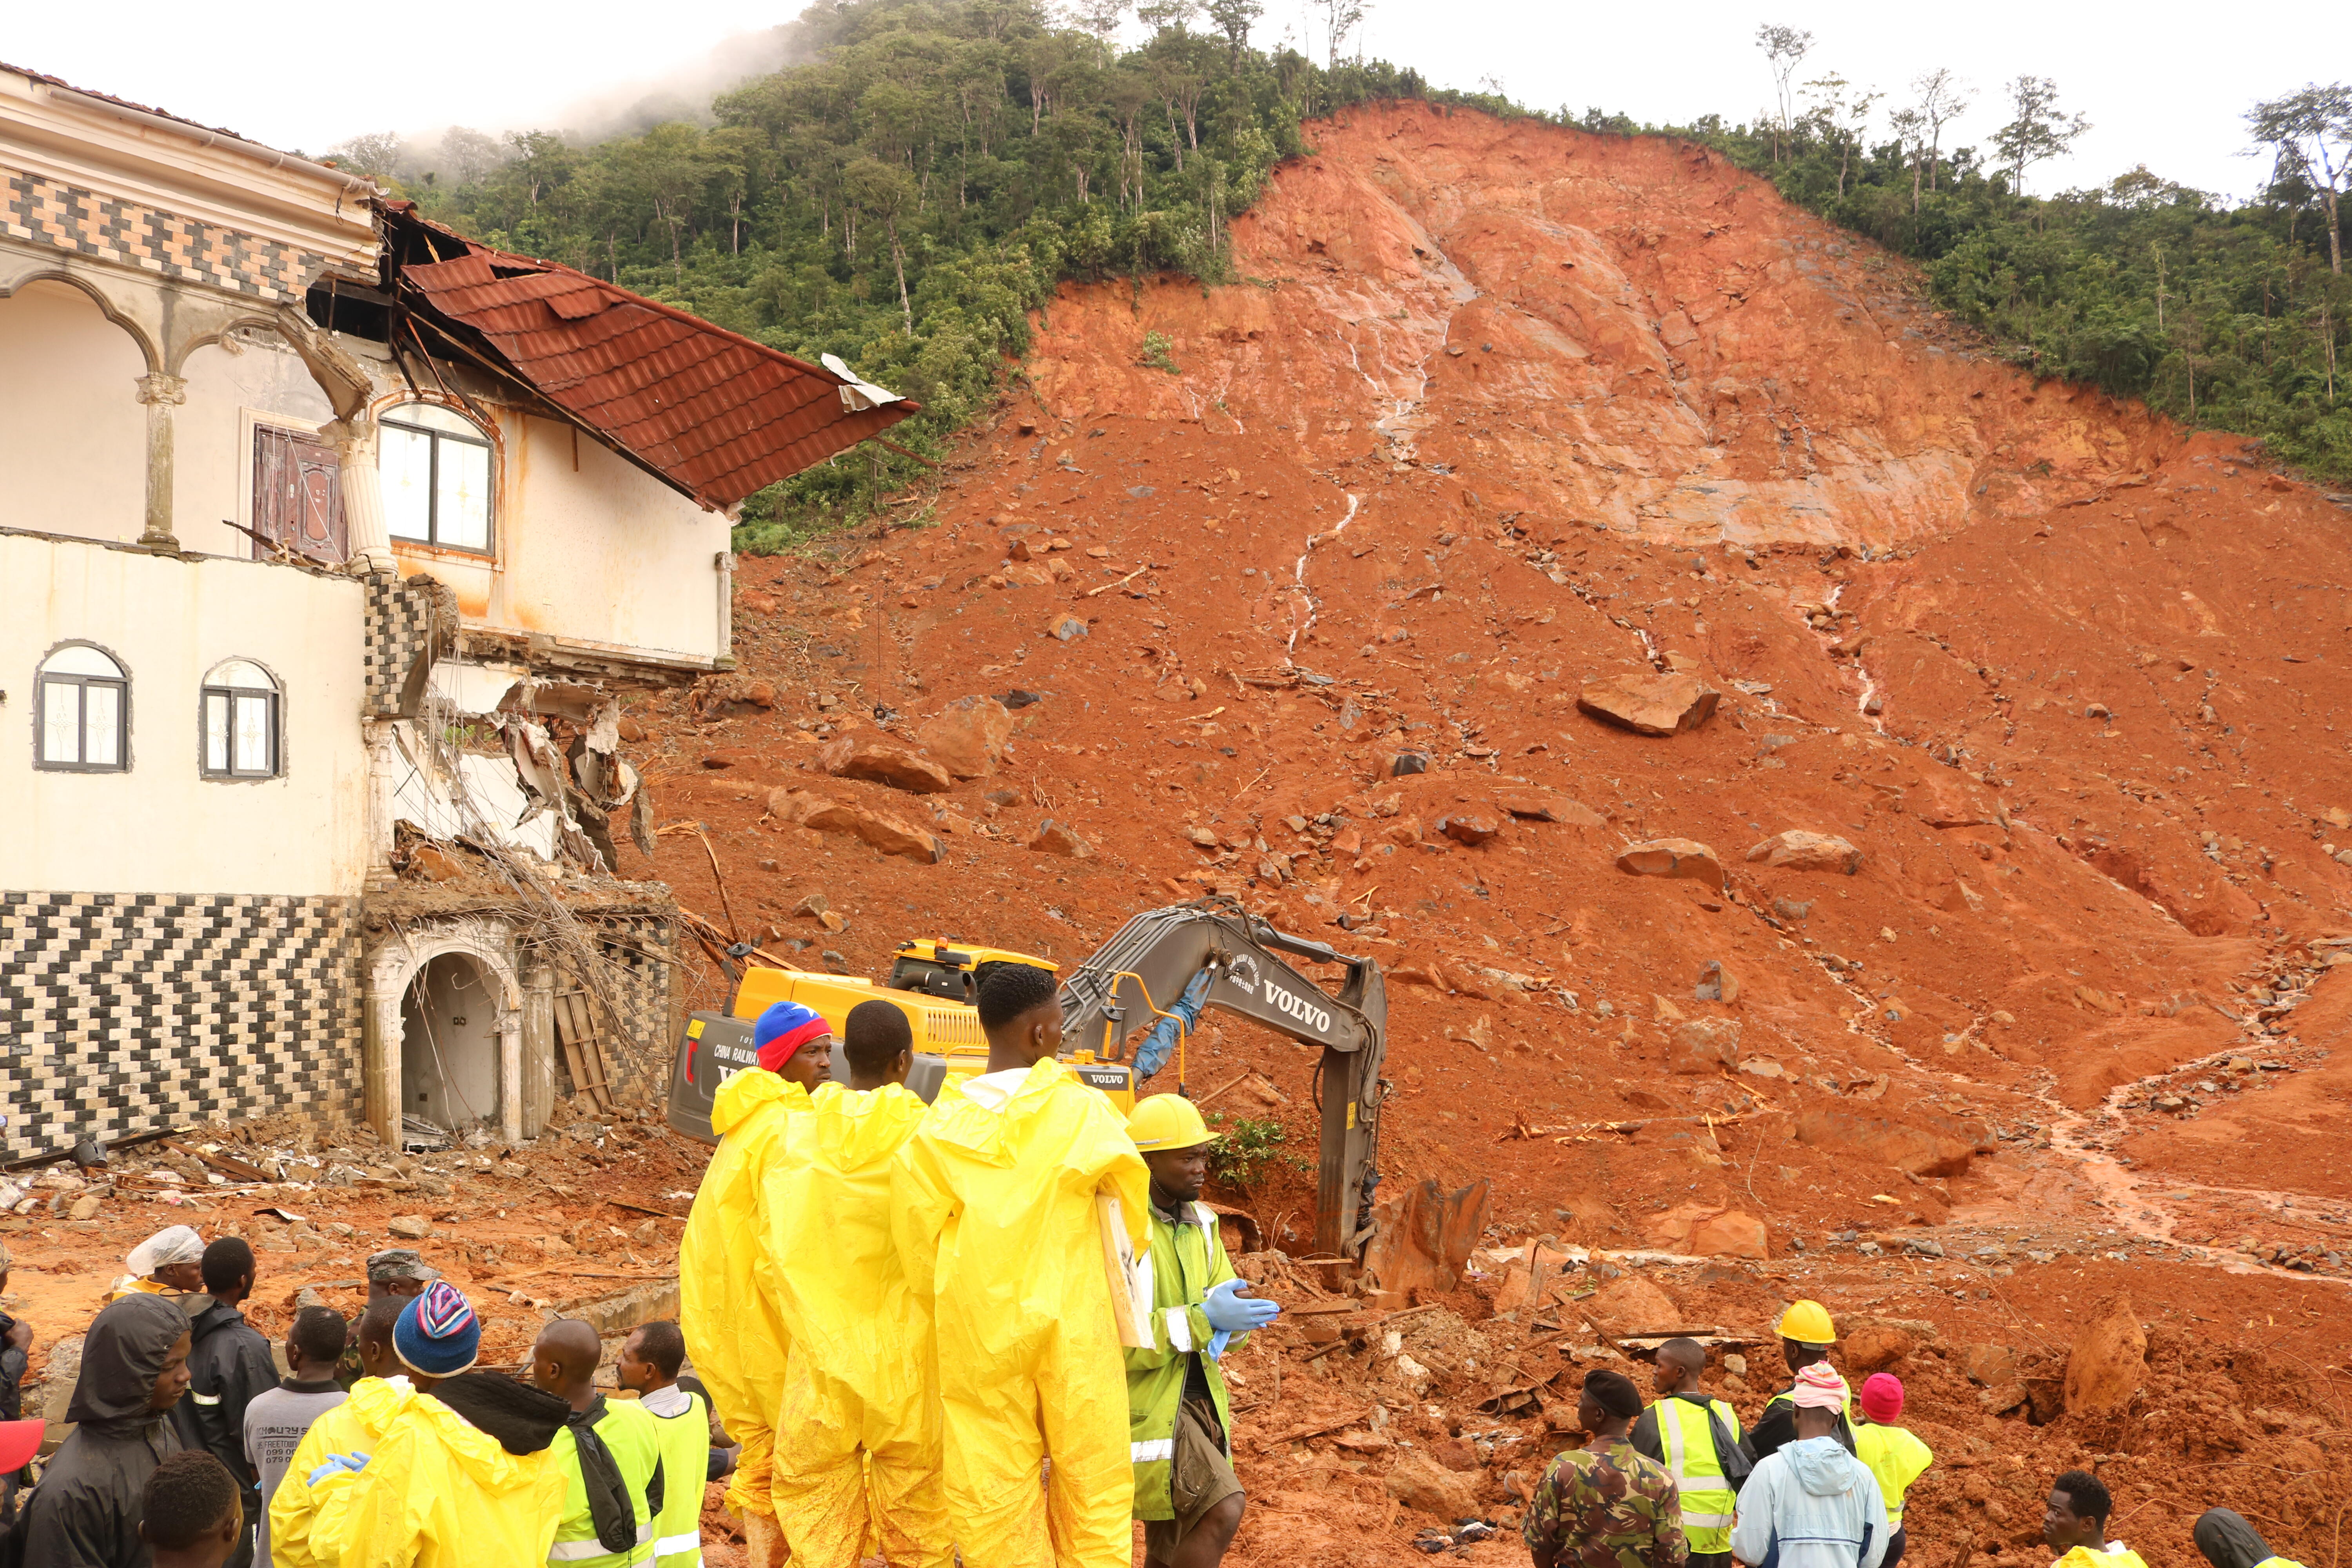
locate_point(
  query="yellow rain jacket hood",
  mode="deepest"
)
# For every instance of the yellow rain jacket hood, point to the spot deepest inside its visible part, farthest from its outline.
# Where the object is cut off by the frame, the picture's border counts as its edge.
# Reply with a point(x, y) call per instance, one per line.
point(857, 1405)
point(439, 1493)
point(298, 1511)
point(996, 1214)
point(727, 1282)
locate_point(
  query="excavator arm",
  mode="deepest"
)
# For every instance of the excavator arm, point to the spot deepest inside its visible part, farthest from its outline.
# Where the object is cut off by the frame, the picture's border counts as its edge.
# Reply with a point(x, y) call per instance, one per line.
point(1156, 954)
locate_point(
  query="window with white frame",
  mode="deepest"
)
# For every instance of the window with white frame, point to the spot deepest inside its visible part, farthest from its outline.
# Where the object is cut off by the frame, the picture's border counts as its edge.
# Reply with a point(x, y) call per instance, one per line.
point(82, 712)
point(240, 722)
point(435, 468)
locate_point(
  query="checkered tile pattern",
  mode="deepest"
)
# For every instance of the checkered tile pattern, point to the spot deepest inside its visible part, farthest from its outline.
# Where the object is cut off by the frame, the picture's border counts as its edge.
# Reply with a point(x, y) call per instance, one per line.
point(644, 966)
point(34, 207)
point(124, 1013)
point(400, 617)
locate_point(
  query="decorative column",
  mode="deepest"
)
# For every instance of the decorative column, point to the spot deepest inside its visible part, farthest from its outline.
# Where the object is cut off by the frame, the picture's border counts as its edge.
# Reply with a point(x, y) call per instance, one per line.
point(371, 541)
point(160, 394)
point(725, 563)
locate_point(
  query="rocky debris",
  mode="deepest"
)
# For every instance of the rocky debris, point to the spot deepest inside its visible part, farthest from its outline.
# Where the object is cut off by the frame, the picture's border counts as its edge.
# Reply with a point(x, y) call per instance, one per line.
point(889, 834)
point(1683, 858)
point(2108, 1362)
point(1792, 909)
point(1923, 1151)
point(409, 1226)
point(1408, 762)
point(1423, 1236)
point(969, 736)
point(1419, 1482)
point(1703, 1046)
point(1650, 704)
point(737, 694)
point(1796, 850)
point(1549, 805)
point(1065, 628)
point(1468, 827)
point(85, 1206)
point(1988, 1366)
point(1053, 839)
point(870, 757)
point(1874, 1348)
point(1631, 1304)
point(1706, 1230)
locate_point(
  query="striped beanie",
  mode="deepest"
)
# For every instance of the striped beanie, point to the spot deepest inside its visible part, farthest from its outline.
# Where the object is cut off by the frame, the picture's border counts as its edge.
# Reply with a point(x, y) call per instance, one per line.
point(438, 1333)
point(784, 1029)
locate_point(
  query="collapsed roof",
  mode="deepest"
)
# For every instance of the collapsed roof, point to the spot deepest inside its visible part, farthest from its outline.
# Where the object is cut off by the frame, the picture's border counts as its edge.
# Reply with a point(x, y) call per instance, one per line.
point(712, 413)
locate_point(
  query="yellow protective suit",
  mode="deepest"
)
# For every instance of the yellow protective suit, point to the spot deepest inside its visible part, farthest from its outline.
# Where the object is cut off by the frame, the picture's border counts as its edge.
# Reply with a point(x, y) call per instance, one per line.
point(727, 1283)
point(357, 1426)
point(994, 1202)
point(437, 1493)
point(858, 1435)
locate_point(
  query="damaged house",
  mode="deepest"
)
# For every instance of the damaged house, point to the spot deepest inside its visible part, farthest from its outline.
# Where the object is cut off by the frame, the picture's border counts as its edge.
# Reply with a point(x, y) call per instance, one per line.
point(331, 544)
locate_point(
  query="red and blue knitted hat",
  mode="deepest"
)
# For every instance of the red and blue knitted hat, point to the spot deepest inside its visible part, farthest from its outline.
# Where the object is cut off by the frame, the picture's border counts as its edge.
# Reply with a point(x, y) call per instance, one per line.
point(784, 1029)
point(438, 1333)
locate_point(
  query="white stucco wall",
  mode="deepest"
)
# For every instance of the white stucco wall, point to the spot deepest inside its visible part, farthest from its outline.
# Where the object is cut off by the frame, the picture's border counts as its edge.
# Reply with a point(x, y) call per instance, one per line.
point(229, 385)
point(162, 827)
point(602, 553)
point(73, 434)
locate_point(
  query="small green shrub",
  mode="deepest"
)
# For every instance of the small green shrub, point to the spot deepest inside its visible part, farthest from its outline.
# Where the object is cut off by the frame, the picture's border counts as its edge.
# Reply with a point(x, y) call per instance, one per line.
point(1156, 353)
point(1246, 1148)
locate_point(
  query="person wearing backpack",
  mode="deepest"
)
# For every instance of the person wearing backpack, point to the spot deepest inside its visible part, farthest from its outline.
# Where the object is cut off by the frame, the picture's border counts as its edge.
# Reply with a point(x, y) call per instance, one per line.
point(1696, 1437)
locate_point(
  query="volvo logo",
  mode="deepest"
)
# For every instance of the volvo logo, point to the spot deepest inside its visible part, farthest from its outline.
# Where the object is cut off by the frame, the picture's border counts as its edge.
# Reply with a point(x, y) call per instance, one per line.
point(1298, 1008)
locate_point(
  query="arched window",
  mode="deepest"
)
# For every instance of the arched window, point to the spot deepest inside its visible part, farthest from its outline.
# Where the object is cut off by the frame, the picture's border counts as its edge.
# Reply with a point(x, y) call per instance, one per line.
point(435, 466)
point(84, 708)
point(240, 722)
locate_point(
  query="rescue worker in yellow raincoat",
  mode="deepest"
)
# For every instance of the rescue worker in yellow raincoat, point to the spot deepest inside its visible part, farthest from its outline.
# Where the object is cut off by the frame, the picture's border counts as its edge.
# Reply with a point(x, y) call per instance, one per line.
point(464, 1475)
point(727, 1278)
point(1180, 1424)
point(355, 1426)
point(995, 1211)
point(857, 1436)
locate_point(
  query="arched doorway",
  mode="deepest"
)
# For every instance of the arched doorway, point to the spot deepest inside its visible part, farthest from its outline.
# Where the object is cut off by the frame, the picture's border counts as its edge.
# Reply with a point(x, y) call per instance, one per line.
point(450, 1046)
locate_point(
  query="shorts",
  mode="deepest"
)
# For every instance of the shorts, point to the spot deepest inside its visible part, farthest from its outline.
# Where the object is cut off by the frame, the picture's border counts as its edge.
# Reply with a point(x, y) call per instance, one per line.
point(1200, 1478)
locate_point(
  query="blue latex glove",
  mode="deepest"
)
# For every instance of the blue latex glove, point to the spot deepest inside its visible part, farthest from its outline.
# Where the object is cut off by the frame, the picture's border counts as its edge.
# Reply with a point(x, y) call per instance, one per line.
point(1217, 1344)
point(1160, 1044)
point(1234, 1313)
point(336, 1463)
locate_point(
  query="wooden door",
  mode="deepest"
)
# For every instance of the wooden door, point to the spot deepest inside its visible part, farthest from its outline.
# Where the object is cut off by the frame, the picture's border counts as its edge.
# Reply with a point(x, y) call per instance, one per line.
point(298, 494)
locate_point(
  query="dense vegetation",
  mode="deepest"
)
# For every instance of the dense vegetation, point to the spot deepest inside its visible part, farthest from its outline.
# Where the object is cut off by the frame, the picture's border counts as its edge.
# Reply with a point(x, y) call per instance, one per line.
point(907, 196)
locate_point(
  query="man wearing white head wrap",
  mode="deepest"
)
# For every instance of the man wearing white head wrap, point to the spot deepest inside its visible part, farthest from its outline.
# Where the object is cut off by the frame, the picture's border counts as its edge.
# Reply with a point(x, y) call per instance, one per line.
point(169, 1262)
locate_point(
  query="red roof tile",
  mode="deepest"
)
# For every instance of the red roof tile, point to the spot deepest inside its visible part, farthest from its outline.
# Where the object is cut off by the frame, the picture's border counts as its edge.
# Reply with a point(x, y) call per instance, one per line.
point(715, 413)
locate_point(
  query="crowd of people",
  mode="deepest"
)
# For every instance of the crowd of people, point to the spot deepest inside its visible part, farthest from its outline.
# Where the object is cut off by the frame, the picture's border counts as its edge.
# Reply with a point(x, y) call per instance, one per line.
point(382, 1444)
point(985, 1331)
point(1818, 1482)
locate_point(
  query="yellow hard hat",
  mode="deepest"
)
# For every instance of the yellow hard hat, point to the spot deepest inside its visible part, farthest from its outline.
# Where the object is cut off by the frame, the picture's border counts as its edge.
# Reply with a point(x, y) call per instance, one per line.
point(1163, 1122)
point(1807, 1323)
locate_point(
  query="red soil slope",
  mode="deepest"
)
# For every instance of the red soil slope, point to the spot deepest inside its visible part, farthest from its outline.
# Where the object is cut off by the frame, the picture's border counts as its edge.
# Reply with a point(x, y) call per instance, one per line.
point(1495, 410)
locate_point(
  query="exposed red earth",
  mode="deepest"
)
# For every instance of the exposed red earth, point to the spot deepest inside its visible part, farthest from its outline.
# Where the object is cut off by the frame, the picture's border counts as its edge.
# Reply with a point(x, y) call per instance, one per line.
point(1987, 997)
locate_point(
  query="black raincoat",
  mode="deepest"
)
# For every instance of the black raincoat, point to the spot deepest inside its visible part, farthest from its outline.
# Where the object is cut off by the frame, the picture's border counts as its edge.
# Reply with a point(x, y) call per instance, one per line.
point(84, 1512)
point(228, 1365)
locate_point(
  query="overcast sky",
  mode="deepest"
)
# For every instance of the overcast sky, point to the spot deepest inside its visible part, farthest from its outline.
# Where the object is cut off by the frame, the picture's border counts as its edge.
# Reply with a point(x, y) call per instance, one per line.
point(2162, 83)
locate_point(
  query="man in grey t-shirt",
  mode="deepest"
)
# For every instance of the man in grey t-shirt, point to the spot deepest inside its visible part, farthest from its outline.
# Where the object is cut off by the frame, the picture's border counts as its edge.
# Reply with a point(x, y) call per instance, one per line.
point(277, 1417)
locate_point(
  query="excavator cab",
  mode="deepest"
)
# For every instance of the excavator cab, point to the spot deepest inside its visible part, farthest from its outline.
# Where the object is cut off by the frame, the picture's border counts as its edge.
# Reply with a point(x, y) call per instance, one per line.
point(949, 970)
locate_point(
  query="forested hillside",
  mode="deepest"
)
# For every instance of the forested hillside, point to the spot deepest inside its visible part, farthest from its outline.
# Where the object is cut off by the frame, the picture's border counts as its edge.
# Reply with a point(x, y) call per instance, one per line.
point(907, 196)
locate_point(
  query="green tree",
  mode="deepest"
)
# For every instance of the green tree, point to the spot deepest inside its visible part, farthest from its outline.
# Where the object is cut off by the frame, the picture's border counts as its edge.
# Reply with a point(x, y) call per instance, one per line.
point(2038, 129)
point(2311, 131)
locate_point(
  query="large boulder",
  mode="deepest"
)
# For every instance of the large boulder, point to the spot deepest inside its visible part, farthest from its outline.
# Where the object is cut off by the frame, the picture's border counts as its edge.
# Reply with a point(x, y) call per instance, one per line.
point(1796, 850)
point(1650, 704)
point(1704, 1046)
point(967, 737)
point(884, 762)
point(1683, 858)
point(1630, 1304)
point(890, 834)
point(1055, 839)
point(1421, 1483)
point(2110, 1359)
point(1709, 1230)
point(1533, 804)
point(1943, 1146)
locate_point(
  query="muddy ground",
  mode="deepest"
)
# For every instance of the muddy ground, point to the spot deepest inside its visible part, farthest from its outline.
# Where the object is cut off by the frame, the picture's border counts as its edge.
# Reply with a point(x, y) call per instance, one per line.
point(1494, 410)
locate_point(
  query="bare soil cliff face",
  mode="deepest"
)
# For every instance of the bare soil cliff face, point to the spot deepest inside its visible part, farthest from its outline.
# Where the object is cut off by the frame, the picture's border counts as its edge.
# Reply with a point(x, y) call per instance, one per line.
point(1496, 411)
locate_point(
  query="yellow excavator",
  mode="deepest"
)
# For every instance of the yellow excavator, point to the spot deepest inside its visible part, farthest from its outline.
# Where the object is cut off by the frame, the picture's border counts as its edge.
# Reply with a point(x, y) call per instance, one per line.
point(1126, 985)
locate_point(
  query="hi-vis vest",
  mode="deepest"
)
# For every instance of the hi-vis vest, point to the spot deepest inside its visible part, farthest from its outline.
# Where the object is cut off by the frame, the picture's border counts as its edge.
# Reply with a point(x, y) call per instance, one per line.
point(1187, 1262)
point(1709, 1500)
point(685, 1441)
point(630, 1434)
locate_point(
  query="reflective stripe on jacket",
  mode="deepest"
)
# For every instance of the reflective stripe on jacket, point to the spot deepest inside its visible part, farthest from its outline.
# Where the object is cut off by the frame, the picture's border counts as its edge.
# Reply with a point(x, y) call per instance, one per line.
point(630, 1432)
point(1188, 1260)
point(685, 1442)
point(1709, 1500)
